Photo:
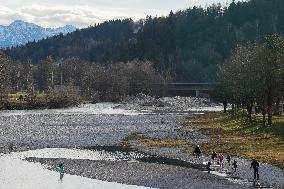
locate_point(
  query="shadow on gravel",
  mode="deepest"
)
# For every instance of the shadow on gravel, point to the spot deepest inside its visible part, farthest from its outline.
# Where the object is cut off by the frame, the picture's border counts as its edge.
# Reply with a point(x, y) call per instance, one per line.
point(169, 161)
point(147, 158)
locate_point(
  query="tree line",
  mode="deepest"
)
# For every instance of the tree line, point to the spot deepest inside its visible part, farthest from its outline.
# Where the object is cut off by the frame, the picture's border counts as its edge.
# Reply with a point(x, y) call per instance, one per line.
point(254, 77)
point(70, 78)
point(190, 44)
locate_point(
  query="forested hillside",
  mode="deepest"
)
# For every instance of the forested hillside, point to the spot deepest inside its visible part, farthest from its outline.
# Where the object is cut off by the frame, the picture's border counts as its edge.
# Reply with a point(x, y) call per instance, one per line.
point(189, 44)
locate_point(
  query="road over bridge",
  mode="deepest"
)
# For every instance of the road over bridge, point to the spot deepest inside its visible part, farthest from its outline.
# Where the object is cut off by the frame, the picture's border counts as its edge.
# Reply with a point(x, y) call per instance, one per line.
point(196, 89)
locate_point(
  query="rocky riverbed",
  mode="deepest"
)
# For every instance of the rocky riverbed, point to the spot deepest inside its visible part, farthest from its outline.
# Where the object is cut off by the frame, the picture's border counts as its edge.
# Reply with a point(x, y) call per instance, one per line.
point(97, 127)
point(145, 103)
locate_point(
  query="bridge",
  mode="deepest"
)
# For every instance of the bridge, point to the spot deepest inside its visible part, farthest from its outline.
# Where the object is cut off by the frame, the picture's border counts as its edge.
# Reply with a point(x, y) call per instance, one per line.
point(190, 88)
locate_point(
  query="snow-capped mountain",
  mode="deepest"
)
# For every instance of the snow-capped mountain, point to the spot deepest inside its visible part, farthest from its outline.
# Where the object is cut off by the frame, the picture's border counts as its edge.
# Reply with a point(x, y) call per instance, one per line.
point(20, 33)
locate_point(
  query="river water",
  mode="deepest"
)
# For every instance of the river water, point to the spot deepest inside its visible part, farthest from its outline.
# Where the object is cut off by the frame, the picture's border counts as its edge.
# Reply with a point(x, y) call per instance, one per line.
point(55, 133)
point(87, 139)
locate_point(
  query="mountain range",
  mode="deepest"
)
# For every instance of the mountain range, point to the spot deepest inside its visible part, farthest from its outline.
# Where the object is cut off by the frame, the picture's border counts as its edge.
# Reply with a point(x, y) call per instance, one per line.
point(19, 33)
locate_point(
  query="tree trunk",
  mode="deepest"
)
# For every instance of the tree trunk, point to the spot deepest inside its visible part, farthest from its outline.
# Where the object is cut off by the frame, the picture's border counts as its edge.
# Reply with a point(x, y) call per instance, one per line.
point(263, 112)
point(263, 118)
point(233, 109)
point(236, 109)
point(225, 104)
point(269, 109)
point(249, 110)
point(276, 111)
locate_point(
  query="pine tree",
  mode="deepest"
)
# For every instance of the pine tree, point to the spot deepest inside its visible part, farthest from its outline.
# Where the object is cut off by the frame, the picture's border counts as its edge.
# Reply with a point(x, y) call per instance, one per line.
point(48, 74)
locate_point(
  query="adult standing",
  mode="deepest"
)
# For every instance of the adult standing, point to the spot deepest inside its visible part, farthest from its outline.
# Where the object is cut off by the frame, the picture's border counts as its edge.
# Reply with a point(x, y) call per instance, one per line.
point(255, 165)
point(197, 152)
point(235, 165)
point(213, 156)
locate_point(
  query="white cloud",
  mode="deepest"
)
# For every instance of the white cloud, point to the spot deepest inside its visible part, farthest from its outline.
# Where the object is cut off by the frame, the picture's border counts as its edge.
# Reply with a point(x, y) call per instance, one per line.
point(82, 13)
point(80, 16)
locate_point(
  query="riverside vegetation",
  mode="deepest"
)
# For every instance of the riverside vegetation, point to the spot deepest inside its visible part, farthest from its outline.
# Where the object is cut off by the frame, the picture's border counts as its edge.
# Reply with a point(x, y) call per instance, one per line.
point(235, 136)
point(117, 58)
point(56, 85)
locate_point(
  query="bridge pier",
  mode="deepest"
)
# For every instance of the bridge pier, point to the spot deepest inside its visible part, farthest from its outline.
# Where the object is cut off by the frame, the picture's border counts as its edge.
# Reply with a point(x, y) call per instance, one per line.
point(197, 93)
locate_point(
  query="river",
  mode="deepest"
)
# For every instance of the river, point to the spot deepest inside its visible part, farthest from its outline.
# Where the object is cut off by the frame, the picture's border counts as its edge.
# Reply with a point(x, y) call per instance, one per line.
point(88, 140)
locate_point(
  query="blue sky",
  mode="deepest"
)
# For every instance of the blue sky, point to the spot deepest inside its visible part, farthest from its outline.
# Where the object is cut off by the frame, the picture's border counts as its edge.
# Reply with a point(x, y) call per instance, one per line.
point(82, 13)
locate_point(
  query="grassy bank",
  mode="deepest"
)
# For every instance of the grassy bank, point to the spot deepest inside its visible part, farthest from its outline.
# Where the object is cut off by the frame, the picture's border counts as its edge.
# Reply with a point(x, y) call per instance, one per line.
point(233, 135)
point(39, 101)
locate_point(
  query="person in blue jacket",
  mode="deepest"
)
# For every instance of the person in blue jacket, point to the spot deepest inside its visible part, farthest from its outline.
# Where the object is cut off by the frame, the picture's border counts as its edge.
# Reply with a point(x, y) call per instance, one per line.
point(61, 170)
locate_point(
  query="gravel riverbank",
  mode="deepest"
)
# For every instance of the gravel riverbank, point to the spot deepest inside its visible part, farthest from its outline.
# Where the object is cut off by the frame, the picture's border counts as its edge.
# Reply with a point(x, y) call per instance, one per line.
point(109, 125)
point(270, 176)
point(146, 103)
point(142, 174)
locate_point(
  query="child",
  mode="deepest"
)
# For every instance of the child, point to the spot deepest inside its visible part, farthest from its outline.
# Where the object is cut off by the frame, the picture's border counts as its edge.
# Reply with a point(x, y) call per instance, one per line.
point(220, 159)
point(61, 171)
point(61, 168)
point(208, 166)
point(229, 160)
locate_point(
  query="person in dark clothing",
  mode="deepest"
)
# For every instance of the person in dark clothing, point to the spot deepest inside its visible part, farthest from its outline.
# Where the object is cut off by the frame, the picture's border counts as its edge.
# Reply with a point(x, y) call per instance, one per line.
point(255, 165)
point(235, 165)
point(214, 155)
point(208, 166)
point(229, 160)
point(197, 152)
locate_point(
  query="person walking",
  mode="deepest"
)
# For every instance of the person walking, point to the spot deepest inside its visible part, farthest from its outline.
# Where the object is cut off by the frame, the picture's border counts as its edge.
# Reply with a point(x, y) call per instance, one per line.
point(229, 159)
point(220, 159)
point(208, 166)
point(197, 152)
point(61, 170)
point(213, 156)
point(255, 165)
point(235, 165)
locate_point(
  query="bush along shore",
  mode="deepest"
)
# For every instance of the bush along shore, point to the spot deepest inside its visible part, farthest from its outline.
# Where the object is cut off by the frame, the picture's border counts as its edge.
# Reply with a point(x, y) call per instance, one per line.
point(48, 101)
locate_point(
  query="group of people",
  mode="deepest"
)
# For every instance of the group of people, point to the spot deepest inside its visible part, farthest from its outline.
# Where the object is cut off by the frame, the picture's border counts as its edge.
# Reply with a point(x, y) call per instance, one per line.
point(197, 151)
point(220, 161)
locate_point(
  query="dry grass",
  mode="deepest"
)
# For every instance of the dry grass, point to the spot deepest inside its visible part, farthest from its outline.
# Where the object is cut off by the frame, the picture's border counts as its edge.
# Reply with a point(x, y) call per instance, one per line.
point(153, 142)
point(229, 135)
point(232, 135)
point(163, 142)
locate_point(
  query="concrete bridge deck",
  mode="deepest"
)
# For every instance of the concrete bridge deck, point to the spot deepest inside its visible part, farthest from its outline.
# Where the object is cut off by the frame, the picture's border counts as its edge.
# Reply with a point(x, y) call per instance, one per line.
point(182, 88)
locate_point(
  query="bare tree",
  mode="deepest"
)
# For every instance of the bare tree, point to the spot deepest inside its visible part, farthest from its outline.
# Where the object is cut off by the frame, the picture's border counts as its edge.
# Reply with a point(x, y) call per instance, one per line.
point(254, 74)
point(5, 68)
